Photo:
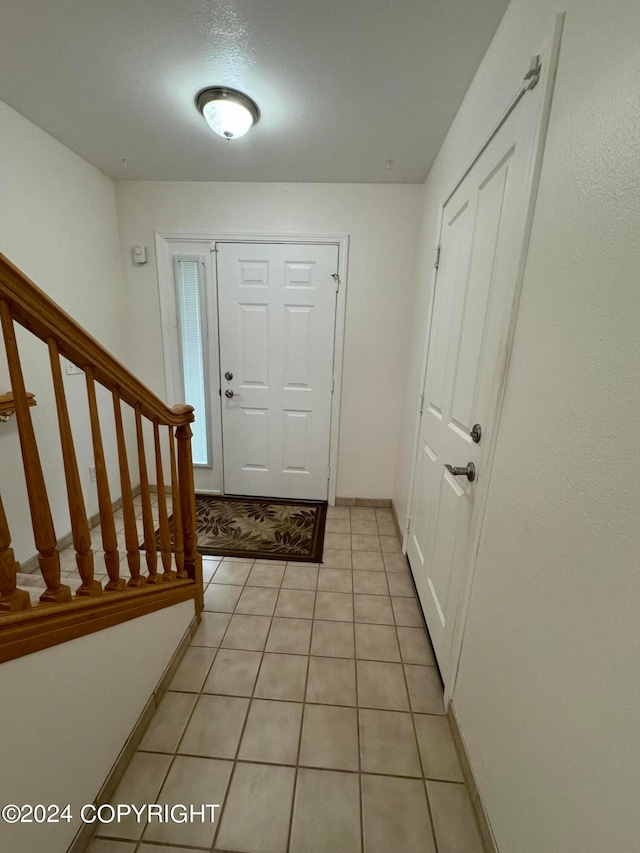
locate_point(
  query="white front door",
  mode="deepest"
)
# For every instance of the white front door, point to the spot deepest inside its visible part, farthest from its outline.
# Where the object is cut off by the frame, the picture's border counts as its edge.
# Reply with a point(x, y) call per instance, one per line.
point(483, 228)
point(277, 311)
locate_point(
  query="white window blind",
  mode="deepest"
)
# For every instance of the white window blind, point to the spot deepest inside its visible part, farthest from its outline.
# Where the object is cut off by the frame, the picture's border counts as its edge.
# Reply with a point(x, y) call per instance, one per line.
point(191, 316)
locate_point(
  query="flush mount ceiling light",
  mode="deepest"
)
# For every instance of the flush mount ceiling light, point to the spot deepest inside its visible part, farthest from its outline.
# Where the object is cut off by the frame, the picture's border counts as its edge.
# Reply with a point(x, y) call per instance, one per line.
point(228, 112)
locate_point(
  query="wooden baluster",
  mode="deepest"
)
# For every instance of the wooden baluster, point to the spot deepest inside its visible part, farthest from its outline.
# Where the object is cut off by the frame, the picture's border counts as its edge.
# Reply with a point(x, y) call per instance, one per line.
point(107, 523)
point(77, 510)
point(163, 517)
point(147, 512)
point(128, 510)
point(192, 560)
point(176, 521)
point(11, 598)
point(41, 519)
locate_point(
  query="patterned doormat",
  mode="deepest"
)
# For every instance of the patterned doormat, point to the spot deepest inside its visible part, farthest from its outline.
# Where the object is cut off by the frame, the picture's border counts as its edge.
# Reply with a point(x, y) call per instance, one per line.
point(261, 528)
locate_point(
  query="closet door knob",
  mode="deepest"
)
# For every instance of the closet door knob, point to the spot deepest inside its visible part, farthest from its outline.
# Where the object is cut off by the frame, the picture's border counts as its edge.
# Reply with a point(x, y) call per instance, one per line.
point(469, 472)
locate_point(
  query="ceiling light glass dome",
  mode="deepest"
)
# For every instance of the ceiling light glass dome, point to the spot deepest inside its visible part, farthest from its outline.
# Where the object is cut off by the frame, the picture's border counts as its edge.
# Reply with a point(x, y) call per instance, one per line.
point(228, 113)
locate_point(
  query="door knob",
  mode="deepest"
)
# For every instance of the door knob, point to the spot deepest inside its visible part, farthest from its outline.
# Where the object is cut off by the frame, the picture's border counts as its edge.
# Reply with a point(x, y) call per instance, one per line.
point(228, 376)
point(469, 472)
point(229, 393)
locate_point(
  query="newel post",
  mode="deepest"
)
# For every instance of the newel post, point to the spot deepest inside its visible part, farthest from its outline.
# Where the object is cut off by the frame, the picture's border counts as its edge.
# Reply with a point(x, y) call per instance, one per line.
point(192, 560)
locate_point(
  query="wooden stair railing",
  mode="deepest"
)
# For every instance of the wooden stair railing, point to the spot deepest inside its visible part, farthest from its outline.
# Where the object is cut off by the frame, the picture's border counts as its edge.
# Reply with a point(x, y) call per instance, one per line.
point(22, 302)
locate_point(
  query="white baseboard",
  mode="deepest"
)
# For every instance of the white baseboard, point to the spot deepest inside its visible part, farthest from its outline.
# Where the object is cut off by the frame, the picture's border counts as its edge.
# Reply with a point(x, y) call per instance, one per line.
point(470, 778)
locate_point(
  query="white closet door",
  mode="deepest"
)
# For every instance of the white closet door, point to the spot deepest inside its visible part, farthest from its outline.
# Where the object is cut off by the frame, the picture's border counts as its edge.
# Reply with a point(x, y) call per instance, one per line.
point(483, 228)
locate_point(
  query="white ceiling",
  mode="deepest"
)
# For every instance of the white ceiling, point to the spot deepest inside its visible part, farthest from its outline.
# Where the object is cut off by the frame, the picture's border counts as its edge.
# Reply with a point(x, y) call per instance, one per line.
point(343, 85)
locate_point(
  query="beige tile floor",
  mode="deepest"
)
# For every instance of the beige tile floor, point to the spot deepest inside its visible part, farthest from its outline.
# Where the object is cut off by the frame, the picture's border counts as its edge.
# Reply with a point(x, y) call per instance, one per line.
point(309, 706)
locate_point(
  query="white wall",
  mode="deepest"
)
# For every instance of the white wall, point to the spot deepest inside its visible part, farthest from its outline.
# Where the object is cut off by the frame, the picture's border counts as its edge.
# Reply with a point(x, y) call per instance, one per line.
point(67, 712)
point(58, 225)
point(547, 694)
point(381, 220)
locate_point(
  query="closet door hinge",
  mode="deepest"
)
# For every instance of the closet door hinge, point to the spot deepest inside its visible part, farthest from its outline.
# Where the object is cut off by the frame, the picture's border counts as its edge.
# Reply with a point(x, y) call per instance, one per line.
point(421, 403)
point(532, 77)
point(328, 472)
point(336, 278)
point(333, 383)
point(436, 262)
point(214, 248)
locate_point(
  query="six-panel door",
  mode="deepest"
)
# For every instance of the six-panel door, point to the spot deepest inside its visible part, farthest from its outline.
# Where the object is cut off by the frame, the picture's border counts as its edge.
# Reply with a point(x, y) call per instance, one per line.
point(482, 232)
point(277, 308)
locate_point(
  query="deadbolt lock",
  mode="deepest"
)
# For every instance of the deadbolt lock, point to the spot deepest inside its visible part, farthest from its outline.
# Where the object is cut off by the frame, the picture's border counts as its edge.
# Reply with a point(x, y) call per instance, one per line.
point(476, 433)
point(228, 376)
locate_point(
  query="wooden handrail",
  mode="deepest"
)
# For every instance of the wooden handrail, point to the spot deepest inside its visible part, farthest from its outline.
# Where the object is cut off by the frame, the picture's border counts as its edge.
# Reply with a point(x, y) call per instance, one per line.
point(37, 312)
point(8, 407)
point(30, 631)
point(23, 628)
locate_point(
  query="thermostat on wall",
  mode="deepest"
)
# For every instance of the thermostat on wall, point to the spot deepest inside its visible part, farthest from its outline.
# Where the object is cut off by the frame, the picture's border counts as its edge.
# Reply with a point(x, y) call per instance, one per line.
point(139, 254)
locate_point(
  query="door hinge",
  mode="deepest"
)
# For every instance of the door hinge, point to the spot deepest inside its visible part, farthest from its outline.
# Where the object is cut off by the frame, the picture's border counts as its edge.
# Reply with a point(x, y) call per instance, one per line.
point(333, 383)
point(532, 77)
point(328, 472)
point(214, 248)
point(436, 262)
point(336, 278)
point(421, 403)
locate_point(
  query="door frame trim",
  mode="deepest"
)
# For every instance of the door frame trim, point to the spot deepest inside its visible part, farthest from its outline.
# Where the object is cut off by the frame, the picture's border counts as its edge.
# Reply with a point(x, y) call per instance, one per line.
point(549, 54)
point(163, 241)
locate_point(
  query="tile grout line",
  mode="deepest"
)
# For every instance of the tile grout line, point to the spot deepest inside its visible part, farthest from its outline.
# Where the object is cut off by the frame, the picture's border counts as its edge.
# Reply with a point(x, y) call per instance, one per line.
point(220, 646)
point(306, 589)
point(146, 824)
point(360, 792)
point(180, 739)
point(249, 706)
point(415, 735)
point(293, 765)
point(159, 846)
point(304, 705)
point(299, 702)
